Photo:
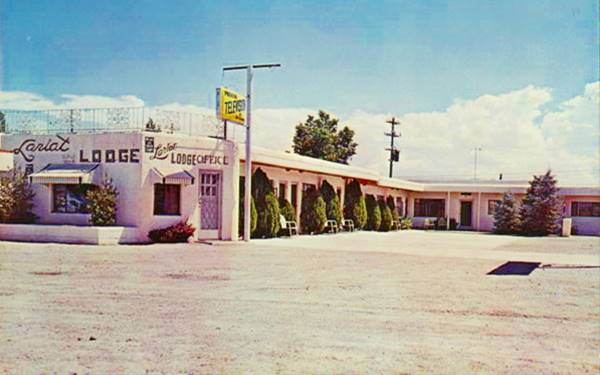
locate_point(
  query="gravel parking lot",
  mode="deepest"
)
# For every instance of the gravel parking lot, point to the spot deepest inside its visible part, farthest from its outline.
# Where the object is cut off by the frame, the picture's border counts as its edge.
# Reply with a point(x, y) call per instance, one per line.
point(404, 302)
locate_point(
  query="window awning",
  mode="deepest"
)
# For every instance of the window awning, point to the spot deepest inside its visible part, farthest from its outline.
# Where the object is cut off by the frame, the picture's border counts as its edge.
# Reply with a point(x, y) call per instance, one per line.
point(66, 174)
point(182, 177)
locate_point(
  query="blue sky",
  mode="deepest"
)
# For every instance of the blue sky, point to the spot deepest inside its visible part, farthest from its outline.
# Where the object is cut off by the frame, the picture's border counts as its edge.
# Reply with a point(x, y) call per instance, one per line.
point(376, 56)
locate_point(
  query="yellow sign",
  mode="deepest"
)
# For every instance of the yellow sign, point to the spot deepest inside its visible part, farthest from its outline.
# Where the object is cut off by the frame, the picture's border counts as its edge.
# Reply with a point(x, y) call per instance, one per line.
point(231, 106)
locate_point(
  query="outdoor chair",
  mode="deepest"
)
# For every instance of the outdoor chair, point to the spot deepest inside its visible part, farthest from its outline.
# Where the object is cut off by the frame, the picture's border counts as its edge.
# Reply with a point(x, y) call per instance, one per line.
point(441, 223)
point(290, 225)
point(331, 226)
point(348, 225)
point(428, 224)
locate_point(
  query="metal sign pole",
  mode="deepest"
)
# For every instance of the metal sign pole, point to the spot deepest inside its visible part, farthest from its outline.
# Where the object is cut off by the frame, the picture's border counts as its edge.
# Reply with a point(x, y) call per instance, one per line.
point(248, 180)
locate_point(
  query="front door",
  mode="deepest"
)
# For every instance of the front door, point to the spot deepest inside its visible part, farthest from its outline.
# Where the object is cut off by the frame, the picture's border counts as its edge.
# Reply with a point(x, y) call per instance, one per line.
point(210, 204)
point(466, 212)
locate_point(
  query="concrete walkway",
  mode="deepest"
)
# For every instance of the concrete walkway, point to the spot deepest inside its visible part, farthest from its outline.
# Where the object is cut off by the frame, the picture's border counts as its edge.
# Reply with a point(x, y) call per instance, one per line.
point(450, 244)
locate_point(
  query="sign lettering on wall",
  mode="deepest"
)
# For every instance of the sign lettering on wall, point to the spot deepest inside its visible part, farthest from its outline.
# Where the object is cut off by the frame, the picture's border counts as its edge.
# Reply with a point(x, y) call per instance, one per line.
point(168, 151)
point(30, 147)
point(121, 155)
point(231, 106)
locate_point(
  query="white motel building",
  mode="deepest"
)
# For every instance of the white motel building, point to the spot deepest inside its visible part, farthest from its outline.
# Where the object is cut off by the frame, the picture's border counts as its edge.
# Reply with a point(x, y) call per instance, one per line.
point(189, 171)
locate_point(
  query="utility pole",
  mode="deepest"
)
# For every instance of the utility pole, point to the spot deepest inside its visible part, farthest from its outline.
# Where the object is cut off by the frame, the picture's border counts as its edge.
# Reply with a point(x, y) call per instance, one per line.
point(394, 153)
point(475, 150)
point(248, 179)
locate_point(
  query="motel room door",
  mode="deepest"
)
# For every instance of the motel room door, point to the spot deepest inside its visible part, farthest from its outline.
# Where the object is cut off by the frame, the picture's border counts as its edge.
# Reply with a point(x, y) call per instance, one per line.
point(466, 213)
point(210, 204)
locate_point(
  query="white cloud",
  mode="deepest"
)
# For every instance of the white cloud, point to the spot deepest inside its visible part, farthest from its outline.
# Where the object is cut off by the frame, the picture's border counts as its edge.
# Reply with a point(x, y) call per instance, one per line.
point(517, 137)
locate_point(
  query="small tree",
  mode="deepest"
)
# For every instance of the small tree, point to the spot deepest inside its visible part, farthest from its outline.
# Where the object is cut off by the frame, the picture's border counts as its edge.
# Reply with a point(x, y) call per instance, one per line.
point(332, 202)
point(540, 210)
point(392, 205)
point(261, 186)
point(102, 203)
point(506, 216)
point(313, 216)
point(373, 213)
point(386, 216)
point(287, 210)
point(355, 208)
point(253, 212)
point(268, 219)
point(16, 199)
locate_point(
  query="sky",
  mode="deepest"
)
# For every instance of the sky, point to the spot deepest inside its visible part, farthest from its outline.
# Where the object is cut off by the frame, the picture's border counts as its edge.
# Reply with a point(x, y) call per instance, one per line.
point(517, 78)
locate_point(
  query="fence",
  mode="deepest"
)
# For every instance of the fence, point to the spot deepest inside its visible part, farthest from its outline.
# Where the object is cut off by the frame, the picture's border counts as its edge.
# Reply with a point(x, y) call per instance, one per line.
point(94, 120)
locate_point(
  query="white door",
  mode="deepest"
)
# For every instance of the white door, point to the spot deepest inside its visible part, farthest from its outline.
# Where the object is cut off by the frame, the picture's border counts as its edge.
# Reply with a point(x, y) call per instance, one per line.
point(210, 204)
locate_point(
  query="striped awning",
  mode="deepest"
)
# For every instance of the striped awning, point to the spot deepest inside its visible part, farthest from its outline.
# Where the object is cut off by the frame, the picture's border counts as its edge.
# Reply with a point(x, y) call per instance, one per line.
point(67, 174)
point(182, 177)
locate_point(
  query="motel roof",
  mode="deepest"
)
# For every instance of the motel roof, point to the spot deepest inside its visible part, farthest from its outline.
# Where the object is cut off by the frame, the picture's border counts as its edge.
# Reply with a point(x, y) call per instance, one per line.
point(288, 160)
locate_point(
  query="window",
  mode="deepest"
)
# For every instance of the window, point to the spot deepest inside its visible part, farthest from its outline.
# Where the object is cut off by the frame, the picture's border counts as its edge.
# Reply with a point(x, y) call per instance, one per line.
point(492, 206)
point(70, 199)
point(400, 206)
point(294, 196)
point(585, 209)
point(281, 191)
point(430, 207)
point(167, 199)
point(305, 187)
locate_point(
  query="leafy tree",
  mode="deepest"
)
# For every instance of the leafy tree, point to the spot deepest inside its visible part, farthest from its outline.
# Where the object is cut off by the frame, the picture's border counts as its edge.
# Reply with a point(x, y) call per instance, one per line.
point(332, 202)
point(320, 138)
point(102, 203)
point(391, 203)
point(355, 207)
point(268, 219)
point(313, 216)
point(16, 199)
point(2, 122)
point(506, 216)
point(253, 212)
point(540, 210)
point(373, 213)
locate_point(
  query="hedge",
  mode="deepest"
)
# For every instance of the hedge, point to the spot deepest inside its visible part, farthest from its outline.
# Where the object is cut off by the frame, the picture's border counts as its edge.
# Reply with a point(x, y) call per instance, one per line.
point(268, 218)
point(373, 213)
point(332, 202)
point(354, 205)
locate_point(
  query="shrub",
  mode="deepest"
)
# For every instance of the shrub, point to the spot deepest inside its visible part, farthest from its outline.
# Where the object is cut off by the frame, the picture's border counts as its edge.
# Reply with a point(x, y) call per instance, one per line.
point(16, 199)
point(506, 216)
point(405, 223)
point(287, 210)
point(332, 202)
point(268, 218)
point(102, 203)
point(393, 210)
point(261, 186)
point(373, 213)
point(355, 208)
point(313, 215)
point(179, 232)
point(540, 210)
point(386, 216)
point(253, 212)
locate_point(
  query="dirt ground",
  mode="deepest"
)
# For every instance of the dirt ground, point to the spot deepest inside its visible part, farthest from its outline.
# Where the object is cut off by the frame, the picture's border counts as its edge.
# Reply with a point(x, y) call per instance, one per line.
point(301, 306)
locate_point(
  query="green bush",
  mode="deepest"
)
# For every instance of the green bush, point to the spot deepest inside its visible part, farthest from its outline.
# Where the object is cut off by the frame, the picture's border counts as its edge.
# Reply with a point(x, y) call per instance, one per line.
point(261, 186)
point(313, 215)
point(540, 208)
point(506, 216)
point(253, 212)
point(355, 208)
point(391, 203)
point(268, 217)
point(16, 199)
point(287, 210)
point(332, 202)
point(405, 223)
point(102, 203)
point(386, 217)
point(373, 213)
